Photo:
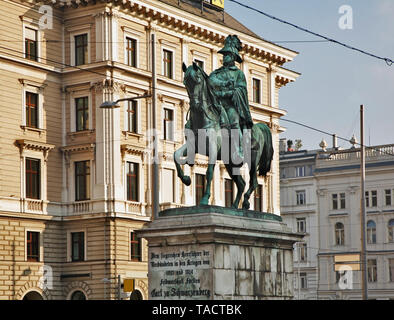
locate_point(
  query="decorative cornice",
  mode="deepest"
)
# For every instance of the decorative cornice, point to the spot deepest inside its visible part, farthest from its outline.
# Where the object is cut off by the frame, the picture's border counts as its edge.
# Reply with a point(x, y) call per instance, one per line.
point(25, 144)
point(109, 85)
point(131, 149)
point(87, 147)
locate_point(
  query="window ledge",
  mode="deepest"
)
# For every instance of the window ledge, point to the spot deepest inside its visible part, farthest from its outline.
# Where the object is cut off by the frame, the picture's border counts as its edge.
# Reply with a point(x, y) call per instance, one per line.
point(128, 134)
point(26, 128)
point(83, 133)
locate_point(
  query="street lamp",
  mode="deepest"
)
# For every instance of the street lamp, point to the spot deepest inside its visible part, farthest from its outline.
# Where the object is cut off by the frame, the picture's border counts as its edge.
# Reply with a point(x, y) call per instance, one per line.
point(114, 104)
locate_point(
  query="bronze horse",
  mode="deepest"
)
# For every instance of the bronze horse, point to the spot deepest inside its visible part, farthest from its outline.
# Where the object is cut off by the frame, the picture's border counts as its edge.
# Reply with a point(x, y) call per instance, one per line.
point(205, 135)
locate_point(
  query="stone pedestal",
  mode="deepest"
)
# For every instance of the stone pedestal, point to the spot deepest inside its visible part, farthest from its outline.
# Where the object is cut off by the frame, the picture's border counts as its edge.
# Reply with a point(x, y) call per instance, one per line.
point(209, 252)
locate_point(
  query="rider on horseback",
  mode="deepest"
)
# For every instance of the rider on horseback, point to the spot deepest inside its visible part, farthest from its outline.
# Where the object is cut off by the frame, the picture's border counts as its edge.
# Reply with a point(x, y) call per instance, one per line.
point(228, 84)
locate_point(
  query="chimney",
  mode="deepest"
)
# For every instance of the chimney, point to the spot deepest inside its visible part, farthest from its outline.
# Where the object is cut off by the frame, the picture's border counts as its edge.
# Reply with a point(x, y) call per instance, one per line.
point(334, 142)
point(282, 145)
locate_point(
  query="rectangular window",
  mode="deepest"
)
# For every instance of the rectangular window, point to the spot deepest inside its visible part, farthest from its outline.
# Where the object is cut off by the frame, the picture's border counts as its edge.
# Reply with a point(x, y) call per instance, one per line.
point(132, 181)
point(200, 63)
point(228, 192)
point(33, 246)
point(135, 247)
point(131, 52)
point(302, 252)
point(168, 193)
point(81, 49)
point(387, 194)
point(342, 200)
point(258, 198)
point(256, 90)
point(82, 114)
point(167, 63)
point(301, 225)
point(367, 199)
point(391, 270)
point(300, 171)
point(301, 197)
point(77, 246)
point(372, 270)
point(82, 180)
point(303, 281)
point(31, 48)
point(338, 201)
point(132, 116)
point(374, 198)
point(31, 109)
point(168, 124)
point(33, 178)
point(200, 187)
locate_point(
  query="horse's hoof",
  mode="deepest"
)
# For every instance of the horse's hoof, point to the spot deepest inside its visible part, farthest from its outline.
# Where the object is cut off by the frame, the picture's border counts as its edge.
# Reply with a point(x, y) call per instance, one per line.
point(187, 181)
point(246, 205)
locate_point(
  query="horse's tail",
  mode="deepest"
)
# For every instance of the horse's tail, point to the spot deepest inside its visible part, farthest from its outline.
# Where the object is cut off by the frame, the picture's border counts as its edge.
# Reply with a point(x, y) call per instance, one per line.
point(267, 152)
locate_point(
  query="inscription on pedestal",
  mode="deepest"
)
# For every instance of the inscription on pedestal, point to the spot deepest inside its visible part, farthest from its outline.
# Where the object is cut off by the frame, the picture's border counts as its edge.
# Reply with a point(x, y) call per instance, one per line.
point(180, 272)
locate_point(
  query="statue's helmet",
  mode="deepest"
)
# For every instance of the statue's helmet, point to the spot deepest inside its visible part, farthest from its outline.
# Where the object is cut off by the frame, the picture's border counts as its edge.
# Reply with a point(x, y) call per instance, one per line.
point(232, 44)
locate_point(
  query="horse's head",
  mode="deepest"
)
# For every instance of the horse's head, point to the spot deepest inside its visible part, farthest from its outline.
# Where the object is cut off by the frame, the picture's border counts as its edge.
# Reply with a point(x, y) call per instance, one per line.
point(194, 82)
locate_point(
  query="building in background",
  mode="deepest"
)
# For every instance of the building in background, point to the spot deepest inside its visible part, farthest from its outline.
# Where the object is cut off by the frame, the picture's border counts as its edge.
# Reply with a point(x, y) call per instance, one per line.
point(76, 180)
point(331, 209)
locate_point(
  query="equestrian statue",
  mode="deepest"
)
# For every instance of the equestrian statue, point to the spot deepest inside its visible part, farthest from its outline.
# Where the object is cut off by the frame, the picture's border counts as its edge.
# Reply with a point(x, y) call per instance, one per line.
point(220, 126)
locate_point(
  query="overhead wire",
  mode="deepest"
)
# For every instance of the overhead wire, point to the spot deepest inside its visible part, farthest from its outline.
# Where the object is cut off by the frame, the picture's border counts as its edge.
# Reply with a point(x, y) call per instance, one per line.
point(388, 61)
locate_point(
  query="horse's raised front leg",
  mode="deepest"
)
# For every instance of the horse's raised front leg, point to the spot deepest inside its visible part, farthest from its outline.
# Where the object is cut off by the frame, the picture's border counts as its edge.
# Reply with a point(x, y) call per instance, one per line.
point(181, 152)
point(207, 192)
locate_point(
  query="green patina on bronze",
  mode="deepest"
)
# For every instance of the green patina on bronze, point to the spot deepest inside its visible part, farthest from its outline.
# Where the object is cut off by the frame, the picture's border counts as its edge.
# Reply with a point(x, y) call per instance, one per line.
point(219, 107)
point(221, 210)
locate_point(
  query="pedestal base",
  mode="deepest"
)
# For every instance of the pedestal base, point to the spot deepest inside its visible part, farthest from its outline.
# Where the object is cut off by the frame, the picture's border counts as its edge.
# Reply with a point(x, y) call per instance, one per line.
point(208, 252)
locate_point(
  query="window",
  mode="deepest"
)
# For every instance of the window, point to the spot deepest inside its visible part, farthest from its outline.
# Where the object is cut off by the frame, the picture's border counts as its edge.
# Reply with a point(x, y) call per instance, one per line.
point(33, 246)
point(82, 113)
point(228, 192)
point(301, 197)
point(339, 234)
point(167, 63)
point(387, 194)
point(200, 63)
point(78, 295)
point(256, 90)
point(371, 198)
point(31, 108)
point(77, 246)
point(200, 187)
point(302, 252)
point(132, 116)
point(168, 193)
point(82, 180)
point(300, 171)
point(301, 225)
point(391, 270)
point(131, 52)
point(391, 230)
point(135, 247)
point(372, 270)
point(132, 181)
point(258, 198)
point(338, 201)
point(371, 232)
point(31, 47)
point(33, 178)
point(81, 49)
point(168, 124)
point(303, 281)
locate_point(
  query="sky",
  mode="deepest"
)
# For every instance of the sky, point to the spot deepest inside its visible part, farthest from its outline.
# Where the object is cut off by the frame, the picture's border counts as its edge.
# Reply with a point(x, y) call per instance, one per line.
point(334, 81)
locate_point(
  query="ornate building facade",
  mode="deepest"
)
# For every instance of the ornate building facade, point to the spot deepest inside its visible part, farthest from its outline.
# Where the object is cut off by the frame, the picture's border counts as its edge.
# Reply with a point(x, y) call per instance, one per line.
point(76, 179)
point(320, 197)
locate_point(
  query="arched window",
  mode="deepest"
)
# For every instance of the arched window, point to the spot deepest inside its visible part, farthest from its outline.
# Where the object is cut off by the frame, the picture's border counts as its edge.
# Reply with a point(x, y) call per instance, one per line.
point(78, 295)
point(391, 230)
point(371, 231)
point(136, 295)
point(33, 295)
point(339, 234)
